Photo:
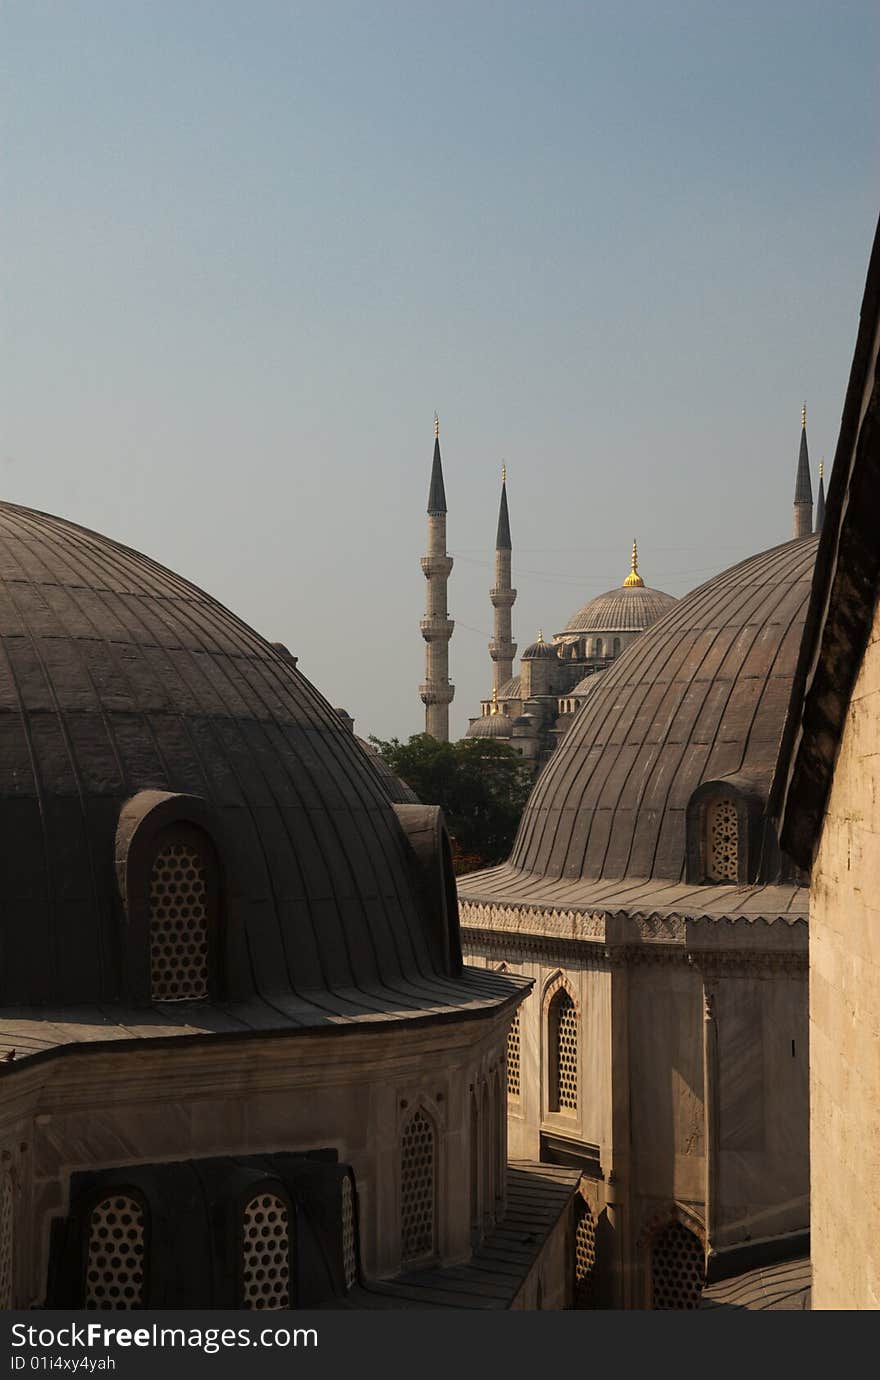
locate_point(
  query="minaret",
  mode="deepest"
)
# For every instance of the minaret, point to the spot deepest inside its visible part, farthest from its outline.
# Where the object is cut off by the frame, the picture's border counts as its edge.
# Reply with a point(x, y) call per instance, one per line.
point(820, 499)
point(502, 648)
point(437, 626)
point(803, 489)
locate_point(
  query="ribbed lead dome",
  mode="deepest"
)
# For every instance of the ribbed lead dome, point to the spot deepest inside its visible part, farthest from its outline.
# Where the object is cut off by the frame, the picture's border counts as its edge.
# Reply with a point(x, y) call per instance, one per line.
point(702, 695)
point(621, 610)
point(117, 677)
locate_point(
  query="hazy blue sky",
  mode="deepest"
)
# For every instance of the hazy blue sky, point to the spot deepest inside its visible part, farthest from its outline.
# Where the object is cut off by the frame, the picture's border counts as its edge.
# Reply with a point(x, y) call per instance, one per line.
point(250, 247)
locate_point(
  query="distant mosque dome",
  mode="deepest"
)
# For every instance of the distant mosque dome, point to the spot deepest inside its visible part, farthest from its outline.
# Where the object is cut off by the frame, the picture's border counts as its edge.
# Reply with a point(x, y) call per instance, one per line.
point(490, 726)
point(631, 607)
point(539, 649)
point(511, 689)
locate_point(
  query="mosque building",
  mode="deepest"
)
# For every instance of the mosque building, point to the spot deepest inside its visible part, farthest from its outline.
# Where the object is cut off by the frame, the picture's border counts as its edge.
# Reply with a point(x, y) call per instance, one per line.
point(242, 1063)
point(663, 1047)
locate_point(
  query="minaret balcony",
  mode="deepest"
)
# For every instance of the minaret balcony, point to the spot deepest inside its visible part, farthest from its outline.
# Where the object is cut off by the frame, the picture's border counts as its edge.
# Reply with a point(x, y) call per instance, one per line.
point(436, 628)
point(500, 650)
point(436, 565)
point(502, 598)
point(434, 693)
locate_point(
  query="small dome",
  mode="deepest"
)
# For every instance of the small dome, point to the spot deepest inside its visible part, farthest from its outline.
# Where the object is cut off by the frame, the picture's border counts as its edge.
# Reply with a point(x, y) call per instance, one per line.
point(511, 689)
point(490, 726)
point(539, 649)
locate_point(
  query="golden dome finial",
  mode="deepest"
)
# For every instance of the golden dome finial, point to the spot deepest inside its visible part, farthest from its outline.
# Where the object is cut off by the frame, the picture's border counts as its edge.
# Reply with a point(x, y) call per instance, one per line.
point(436, 427)
point(503, 473)
point(495, 708)
point(634, 579)
point(540, 634)
point(804, 416)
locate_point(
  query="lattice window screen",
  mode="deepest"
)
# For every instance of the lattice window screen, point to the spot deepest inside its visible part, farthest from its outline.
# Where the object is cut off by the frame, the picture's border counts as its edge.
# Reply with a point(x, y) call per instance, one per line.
point(115, 1256)
point(722, 841)
point(349, 1249)
point(584, 1257)
point(677, 1268)
point(562, 1031)
point(6, 1240)
point(417, 1174)
point(179, 924)
point(266, 1253)
point(513, 1037)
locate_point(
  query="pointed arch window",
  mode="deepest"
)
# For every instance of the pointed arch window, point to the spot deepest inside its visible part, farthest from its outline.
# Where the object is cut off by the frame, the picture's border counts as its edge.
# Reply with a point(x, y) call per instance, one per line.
point(265, 1252)
point(678, 1268)
point(349, 1233)
point(418, 1187)
point(115, 1264)
point(6, 1240)
point(562, 1042)
point(599, 647)
point(183, 896)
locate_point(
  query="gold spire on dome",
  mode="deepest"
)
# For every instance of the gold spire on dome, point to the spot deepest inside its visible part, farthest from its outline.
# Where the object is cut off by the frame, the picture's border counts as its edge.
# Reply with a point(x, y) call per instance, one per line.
point(436, 427)
point(503, 474)
point(540, 634)
point(634, 579)
point(496, 708)
point(804, 416)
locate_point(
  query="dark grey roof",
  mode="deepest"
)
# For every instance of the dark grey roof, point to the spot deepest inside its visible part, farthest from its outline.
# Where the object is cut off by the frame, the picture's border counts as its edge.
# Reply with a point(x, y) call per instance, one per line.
point(621, 610)
point(502, 537)
point(537, 1197)
point(437, 492)
point(803, 488)
point(844, 597)
point(782, 1287)
point(536, 651)
point(699, 696)
point(118, 677)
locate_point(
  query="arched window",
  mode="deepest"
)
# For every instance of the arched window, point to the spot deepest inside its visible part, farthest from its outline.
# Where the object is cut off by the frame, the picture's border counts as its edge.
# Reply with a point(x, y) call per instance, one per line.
point(475, 1166)
point(584, 1255)
point(600, 647)
point(562, 1052)
point(617, 646)
point(349, 1233)
point(418, 1174)
point(513, 1072)
point(722, 840)
point(115, 1265)
point(488, 1156)
point(6, 1240)
point(499, 1120)
point(678, 1268)
point(265, 1252)
point(183, 902)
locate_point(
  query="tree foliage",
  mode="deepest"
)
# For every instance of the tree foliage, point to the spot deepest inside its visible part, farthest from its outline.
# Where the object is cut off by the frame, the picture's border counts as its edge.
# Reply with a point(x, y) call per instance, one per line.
point(481, 786)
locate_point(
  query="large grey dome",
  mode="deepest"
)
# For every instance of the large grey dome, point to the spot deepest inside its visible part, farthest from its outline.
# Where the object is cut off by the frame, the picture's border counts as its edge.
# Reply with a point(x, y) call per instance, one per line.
point(124, 688)
point(700, 696)
point(621, 610)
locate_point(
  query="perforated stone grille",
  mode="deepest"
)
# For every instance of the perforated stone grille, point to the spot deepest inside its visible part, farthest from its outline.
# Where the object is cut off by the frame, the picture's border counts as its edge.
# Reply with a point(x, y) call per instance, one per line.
point(115, 1259)
point(584, 1257)
point(722, 828)
point(563, 1053)
point(417, 1188)
point(265, 1253)
point(513, 1058)
point(349, 1256)
point(6, 1212)
point(179, 924)
point(677, 1268)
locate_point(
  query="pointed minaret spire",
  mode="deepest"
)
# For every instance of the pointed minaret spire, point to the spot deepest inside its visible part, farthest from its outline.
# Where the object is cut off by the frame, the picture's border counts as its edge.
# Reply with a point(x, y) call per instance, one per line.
point(502, 648)
point(803, 489)
point(436, 692)
point(437, 490)
point(820, 498)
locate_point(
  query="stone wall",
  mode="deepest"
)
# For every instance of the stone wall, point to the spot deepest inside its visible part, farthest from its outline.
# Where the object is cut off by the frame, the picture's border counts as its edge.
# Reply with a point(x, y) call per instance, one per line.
point(845, 1013)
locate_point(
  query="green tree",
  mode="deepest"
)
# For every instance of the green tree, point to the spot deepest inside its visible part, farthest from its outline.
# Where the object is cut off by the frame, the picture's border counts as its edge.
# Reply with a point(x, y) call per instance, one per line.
point(481, 786)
